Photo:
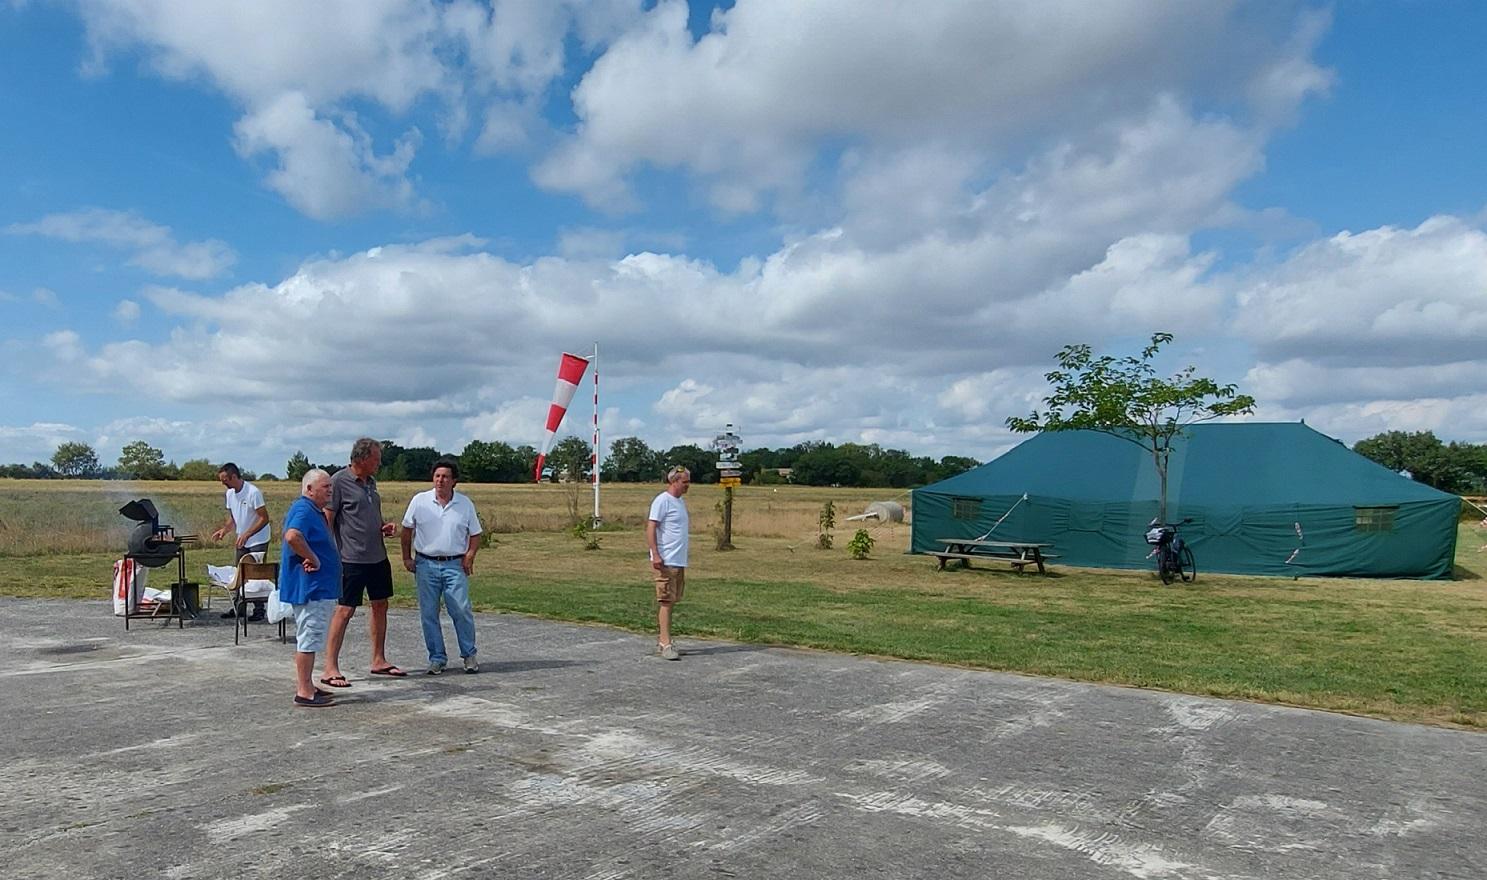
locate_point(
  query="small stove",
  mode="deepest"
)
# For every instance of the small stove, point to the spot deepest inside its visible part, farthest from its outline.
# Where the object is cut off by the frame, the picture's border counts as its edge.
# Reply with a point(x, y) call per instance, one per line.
point(154, 545)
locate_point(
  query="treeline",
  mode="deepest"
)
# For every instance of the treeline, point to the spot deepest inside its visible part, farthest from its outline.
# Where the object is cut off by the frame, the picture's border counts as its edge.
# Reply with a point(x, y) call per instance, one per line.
point(137, 461)
point(1451, 467)
point(629, 460)
point(1460, 468)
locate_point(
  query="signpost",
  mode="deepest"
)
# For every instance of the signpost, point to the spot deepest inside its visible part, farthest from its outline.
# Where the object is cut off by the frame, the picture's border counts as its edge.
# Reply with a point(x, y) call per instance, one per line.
point(730, 477)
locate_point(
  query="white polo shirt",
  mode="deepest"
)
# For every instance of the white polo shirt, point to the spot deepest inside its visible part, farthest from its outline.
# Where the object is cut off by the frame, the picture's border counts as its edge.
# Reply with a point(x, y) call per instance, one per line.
point(243, 505)
point(441, 530)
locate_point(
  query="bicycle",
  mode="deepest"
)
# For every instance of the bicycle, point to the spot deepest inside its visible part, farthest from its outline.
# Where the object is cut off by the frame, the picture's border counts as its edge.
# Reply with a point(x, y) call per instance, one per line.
point(1174, 556)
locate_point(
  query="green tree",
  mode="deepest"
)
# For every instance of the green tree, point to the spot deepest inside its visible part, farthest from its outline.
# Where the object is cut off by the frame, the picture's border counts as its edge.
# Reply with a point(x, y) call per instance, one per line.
point(951, 465)
point(572, 456)
point(524, 465)
point(630, 460)
point(416, 463)
point(1124, 397)
point(480, 461)
point(701, 462)
point(1471, 458)
point(73, 459)
point(199, 469)
point(141, 461)
point(1428, 460)
point(297, 466)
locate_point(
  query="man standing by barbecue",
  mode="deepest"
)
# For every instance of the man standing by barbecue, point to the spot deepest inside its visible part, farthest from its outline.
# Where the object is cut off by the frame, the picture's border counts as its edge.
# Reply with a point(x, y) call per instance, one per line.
point(247, 515)
point(666, 535)
point(441, 535)
point(355, 518)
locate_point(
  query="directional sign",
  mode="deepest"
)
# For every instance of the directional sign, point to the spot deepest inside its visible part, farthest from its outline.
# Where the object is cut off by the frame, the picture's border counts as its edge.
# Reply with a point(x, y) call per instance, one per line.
point(729, 472)
point(730, 482)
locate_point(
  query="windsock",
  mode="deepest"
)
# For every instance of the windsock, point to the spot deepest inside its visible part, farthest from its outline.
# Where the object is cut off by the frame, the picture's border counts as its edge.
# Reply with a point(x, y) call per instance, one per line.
point(570, 371)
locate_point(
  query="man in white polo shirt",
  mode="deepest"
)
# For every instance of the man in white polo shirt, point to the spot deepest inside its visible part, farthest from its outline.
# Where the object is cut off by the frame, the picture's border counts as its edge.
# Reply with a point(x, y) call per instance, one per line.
point(441, 534)
point(247, 515)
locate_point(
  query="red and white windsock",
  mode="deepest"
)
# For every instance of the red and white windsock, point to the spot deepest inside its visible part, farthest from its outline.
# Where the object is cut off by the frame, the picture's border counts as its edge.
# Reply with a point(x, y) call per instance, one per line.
point(570, 372)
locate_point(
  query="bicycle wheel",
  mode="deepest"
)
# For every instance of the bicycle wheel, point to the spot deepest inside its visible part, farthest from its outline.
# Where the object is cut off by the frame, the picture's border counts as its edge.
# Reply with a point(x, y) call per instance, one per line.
point(1186, 566)
point(1166, 565)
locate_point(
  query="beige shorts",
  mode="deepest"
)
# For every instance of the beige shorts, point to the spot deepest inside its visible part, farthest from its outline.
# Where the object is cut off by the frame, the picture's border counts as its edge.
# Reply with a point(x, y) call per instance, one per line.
point(671, 583)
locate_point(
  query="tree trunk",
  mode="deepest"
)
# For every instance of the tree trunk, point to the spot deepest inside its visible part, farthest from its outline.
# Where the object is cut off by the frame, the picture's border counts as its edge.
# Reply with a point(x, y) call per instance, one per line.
point(1161, 462)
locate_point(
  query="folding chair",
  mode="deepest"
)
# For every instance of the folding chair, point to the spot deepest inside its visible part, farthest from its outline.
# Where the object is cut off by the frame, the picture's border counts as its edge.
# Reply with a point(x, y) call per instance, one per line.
point(248, 570)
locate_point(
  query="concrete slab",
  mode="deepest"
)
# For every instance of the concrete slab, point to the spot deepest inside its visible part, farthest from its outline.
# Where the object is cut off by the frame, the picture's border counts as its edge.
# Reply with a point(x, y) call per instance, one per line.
point(168, 753)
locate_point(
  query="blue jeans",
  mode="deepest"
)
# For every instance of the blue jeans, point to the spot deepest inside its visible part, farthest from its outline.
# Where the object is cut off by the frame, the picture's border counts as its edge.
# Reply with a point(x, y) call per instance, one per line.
point(444, 580)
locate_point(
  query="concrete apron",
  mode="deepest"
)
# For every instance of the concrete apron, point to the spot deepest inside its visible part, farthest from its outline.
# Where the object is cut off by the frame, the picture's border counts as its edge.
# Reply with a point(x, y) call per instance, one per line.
point(576, 753)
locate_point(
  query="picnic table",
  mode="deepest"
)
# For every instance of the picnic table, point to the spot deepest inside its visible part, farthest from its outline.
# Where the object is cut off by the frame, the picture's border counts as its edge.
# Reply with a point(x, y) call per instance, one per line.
point(1019, 553)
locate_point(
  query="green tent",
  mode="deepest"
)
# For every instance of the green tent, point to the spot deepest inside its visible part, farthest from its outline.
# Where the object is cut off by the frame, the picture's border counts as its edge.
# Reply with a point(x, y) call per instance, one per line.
point(1275, 499)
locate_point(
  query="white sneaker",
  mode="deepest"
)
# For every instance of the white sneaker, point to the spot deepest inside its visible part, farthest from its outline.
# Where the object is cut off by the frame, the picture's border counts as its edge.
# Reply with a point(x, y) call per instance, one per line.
point(668, 652)
point(471, 667)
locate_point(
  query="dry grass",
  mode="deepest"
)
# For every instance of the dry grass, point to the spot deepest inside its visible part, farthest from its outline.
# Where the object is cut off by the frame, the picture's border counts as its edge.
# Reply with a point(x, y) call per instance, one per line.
point(81, 516)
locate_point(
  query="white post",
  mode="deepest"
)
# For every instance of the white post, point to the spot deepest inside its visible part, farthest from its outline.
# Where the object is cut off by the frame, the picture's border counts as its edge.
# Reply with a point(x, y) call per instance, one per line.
point(596, 455)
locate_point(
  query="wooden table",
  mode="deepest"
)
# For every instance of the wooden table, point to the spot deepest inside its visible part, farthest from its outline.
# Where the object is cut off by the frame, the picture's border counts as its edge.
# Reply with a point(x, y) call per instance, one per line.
point(1018, 553)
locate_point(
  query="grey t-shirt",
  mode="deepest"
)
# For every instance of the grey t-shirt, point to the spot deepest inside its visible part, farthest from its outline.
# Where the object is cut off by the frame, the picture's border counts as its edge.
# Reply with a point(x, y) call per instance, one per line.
point(358, 510)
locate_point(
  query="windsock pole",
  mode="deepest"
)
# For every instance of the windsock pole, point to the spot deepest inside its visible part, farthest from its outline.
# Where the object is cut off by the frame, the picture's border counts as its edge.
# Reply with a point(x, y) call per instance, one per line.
point(596, 456)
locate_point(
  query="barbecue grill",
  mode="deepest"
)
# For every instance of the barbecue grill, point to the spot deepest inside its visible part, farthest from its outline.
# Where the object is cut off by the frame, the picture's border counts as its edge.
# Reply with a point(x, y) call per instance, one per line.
point(155, 546)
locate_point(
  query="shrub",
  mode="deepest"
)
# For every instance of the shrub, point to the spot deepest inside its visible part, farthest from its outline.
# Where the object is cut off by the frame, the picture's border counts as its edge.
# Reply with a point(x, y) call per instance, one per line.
point(861, 544)
point(824, 524)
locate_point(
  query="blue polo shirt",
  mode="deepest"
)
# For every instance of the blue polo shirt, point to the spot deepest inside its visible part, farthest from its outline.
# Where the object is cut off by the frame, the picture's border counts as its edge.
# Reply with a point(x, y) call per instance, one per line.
point(297, 586)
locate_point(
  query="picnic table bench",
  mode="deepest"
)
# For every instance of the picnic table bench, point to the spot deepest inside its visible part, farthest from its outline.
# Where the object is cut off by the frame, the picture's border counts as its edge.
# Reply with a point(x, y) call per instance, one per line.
point(1019, 553)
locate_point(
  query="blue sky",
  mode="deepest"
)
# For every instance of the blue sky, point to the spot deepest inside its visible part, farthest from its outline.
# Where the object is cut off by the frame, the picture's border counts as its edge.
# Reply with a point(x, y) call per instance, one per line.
point(238, 231)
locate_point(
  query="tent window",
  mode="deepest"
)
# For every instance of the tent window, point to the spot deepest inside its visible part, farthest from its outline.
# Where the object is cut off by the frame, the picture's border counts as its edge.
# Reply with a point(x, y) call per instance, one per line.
point(966, 508)
point(1374, 519)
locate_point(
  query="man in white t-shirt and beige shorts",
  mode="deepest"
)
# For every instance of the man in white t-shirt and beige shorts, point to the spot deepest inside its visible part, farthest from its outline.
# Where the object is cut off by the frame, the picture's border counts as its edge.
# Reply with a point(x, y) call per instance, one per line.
point(666, 535)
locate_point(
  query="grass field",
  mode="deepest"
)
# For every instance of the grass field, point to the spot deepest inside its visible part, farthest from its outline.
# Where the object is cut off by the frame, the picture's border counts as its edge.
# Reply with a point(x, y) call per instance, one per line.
point(1409, 650)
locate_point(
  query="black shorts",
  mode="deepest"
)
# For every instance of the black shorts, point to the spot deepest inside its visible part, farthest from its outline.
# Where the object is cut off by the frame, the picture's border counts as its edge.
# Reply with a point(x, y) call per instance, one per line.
point(239, 552)
point(373, 577)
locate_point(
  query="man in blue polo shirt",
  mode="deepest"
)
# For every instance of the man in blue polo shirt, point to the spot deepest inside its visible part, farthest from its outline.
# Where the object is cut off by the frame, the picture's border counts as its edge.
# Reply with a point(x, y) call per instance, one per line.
point(309, 580)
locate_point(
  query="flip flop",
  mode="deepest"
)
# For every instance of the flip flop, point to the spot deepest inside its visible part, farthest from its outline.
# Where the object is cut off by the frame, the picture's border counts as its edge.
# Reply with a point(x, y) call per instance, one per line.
point(389, 670)
point(335, 681)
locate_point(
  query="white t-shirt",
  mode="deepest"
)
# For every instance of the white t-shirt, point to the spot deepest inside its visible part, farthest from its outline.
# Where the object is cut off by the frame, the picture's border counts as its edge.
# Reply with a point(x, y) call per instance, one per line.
point(441, 530)
point(669, 513)
point(243, 505)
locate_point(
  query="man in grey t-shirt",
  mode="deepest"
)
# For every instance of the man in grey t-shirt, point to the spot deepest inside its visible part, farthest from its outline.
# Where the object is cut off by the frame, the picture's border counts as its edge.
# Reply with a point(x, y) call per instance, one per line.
point(355, 518)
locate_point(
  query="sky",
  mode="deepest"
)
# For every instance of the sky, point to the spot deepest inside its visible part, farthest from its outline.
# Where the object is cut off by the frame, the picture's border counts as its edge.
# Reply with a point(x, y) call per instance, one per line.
point(239, 230)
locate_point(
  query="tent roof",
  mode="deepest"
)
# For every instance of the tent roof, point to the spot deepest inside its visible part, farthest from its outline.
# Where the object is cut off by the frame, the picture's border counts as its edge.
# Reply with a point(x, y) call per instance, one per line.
point(1238, 463)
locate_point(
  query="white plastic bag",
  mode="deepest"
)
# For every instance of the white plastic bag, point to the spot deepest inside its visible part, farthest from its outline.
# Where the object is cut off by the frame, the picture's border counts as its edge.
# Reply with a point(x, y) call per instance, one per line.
point(278, 610)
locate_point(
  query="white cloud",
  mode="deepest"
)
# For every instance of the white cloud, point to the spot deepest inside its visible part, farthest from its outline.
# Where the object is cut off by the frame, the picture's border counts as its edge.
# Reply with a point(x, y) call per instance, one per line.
point(153, 246)
point(298, 68)
point(1373, 331)
point(23, 444)
point(748, 105)
point(326, 169)
point(45, 296)
point(127, 311)
point(1383, 296)
point(515, 421)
